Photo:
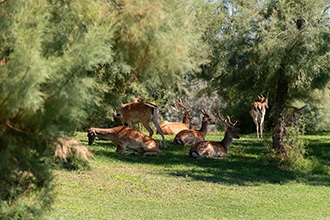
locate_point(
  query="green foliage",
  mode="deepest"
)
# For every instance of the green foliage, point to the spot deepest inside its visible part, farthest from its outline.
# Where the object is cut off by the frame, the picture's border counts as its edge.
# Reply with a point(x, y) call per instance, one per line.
point(74, 61)
point(258, 48)
point(155, 43)
point(46, 92)
point(292, 155)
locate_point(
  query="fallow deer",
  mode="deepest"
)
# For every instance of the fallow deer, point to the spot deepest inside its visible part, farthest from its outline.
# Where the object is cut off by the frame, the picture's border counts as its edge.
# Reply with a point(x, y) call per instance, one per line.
point(258, 112)
point(170, 128)
point(210, 149)
point(3, 61)
point(290, 117)
point(191, 136)
point(134, 112)
point(292, 114)
point(125, 137)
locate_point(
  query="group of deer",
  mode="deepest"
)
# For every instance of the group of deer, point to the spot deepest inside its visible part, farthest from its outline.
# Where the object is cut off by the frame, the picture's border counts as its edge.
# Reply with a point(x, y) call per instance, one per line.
point(127, 137)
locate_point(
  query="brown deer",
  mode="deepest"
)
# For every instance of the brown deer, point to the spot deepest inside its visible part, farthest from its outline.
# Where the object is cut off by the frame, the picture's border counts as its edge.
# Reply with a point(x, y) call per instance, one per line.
point(170, 128)
point(125, 137)
point(292, 114)
point(134, 112)
point(191, 136)
point(210, 149)
point(3, 61)
point(258, 112)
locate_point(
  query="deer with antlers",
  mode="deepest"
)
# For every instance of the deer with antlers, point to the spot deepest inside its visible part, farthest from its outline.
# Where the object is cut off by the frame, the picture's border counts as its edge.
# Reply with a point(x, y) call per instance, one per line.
point(258, 112)
point(192, 136)
point(210, 149)
point(170, 128)
point(144, 112)
point(125, 137)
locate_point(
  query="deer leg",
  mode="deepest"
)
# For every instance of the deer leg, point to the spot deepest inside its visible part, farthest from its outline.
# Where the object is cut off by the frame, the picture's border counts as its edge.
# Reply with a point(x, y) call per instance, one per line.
point(261, 127)
point(147, 126)
point(121, 148)
point(257, 127)
point(130, 124)
point(160, 131)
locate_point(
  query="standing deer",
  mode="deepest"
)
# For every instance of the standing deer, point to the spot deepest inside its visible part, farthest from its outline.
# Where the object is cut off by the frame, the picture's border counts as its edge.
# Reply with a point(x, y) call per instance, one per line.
point(258, 112)
point(292, 114)
point(134, 112)
point(210, 149)
point(191, 136)
point(170, 128)
point(125, 137)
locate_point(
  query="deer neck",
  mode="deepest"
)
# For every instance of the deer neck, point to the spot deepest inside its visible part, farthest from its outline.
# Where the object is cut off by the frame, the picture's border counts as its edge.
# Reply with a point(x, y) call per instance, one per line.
point(186, 120)
point(227, 140)
point(105, 132)
point(203, 129)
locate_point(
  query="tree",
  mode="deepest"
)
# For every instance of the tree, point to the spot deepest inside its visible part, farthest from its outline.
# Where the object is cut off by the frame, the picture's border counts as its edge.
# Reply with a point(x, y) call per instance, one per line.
point(50, 48)
point(155, 43)
point(279, 48)
point(61, 61)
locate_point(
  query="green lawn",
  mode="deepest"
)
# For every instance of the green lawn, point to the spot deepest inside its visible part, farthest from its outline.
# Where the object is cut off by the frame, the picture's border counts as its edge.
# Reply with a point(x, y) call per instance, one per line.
point(175, 186)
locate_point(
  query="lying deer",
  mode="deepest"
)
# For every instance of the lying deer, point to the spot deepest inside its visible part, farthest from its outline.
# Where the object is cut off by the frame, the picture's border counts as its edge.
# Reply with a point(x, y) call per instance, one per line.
point(125, 137)
point(170, 128)
point(134, 112)
point(191, 136)
point(258, 112)
point(210, 149)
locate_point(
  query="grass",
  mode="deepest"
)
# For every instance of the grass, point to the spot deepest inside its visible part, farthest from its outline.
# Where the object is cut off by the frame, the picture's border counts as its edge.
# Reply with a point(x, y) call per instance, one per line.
point(175, 186)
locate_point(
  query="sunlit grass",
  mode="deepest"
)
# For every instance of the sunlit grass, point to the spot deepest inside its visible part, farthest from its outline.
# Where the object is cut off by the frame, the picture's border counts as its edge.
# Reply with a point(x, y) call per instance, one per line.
point(175, 186)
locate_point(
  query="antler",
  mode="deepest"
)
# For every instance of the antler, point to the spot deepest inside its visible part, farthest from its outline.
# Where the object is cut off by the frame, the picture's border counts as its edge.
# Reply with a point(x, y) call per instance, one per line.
point(180, 103)
point(231, 123)
point(204, 112)
point(228, 123)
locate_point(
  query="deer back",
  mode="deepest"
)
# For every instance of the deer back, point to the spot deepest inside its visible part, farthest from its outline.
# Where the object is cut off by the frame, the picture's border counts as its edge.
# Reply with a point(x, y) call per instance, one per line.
point(170, 128)
point(134, 138)
point(188, 137)
point(191, 136)
point(208, 149)
point(136, 112)
point(126, 137)
point(258, 109)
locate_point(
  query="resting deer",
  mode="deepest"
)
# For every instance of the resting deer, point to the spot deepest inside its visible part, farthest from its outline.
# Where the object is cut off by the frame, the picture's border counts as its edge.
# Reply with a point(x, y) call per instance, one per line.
point(134, 112)
point(258, 112)
point(191, 136)
point(210, 149)
point(125, 137)
point(170, 128)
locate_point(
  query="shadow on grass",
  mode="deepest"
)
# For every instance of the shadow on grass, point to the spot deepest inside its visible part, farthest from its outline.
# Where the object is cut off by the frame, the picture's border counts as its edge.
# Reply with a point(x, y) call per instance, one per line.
point(245, 166)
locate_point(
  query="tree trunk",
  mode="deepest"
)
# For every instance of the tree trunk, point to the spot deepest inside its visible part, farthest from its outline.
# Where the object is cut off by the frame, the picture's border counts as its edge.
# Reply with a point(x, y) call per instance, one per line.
point(282, 89)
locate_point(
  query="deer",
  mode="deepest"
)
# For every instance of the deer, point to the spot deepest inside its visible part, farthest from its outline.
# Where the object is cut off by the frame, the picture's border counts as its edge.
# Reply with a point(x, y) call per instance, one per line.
point(126, 137)
point(292, 114)
point(144, 112)
point(171, 128)
point(192, 136)
point(211, 149)
point(258, 112)
point(3, 61)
